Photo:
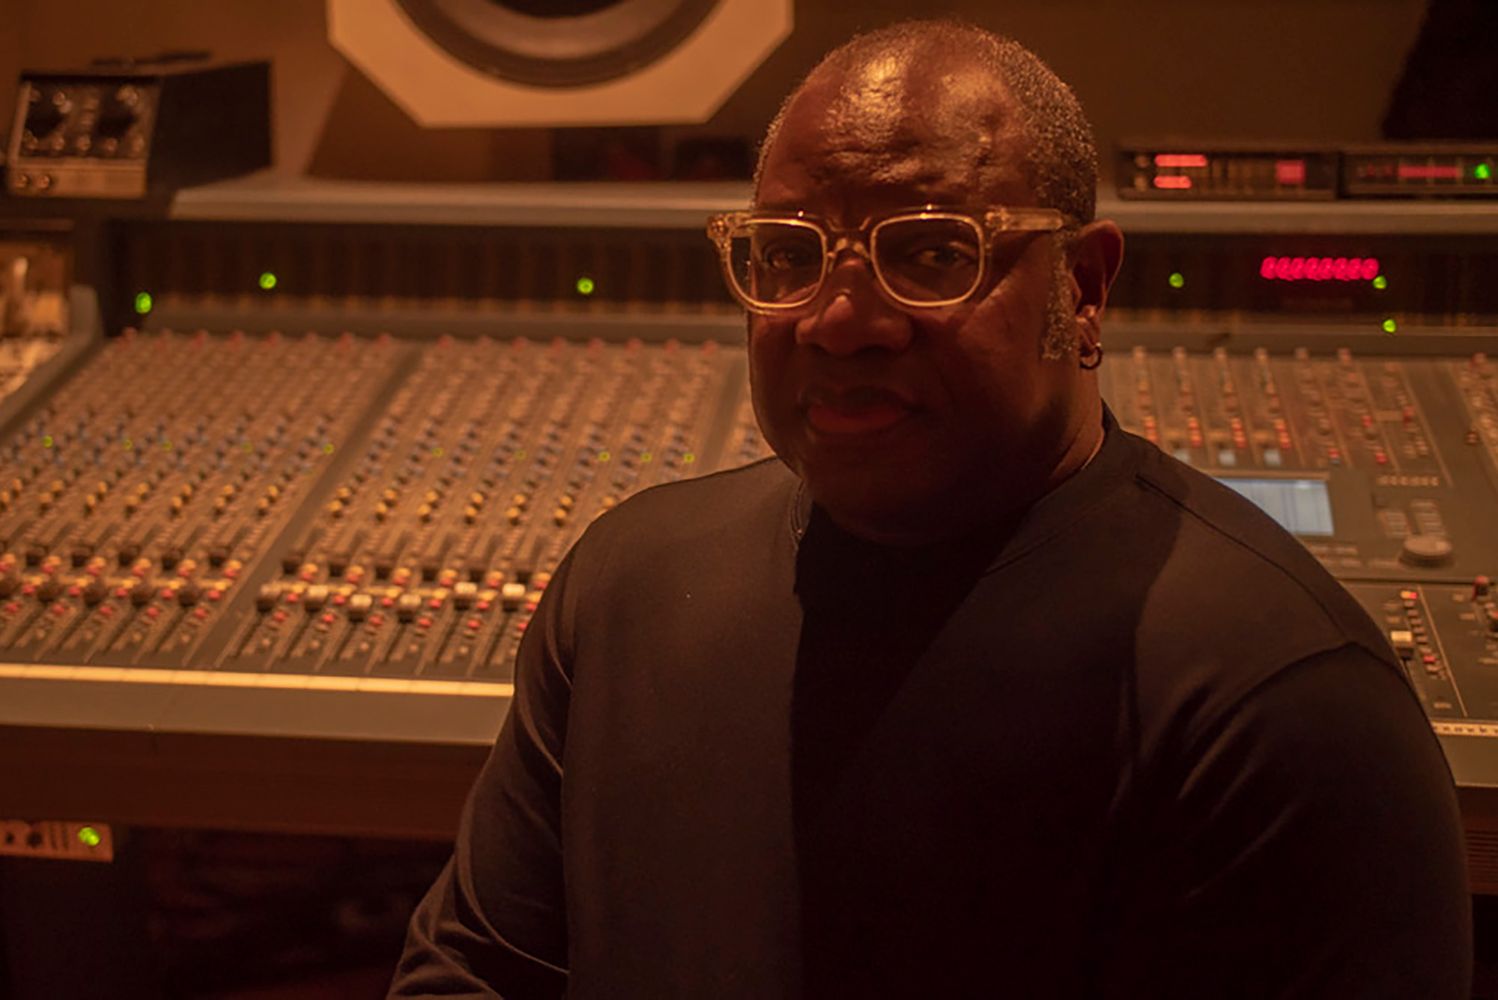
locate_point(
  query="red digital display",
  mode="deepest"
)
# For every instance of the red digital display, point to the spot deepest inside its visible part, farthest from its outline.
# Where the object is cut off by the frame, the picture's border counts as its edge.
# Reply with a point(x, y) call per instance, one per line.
point(1318, 268)
point(1420, 172)
point(1178, 160)
point(1173, 182)
point(1290, 172)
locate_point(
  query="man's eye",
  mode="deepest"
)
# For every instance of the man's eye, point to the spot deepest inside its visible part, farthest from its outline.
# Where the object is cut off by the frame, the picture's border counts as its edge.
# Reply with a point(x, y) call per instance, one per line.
point(940, 256)
point(786, 256)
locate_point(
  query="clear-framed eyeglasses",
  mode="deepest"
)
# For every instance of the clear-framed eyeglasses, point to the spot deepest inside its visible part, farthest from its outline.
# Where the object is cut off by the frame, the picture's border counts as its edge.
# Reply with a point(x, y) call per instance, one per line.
point(923, 258)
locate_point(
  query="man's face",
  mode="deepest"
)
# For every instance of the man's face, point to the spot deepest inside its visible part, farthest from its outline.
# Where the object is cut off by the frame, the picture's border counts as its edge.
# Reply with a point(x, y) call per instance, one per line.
point(911, 426)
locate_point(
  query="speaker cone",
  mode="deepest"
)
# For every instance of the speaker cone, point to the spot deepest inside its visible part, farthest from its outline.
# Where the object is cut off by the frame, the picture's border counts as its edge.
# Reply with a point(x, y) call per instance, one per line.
point(557, 43)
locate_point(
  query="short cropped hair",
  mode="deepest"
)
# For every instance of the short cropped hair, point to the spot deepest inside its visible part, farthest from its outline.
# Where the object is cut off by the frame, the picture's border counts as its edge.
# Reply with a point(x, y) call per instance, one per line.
point(1061, 160)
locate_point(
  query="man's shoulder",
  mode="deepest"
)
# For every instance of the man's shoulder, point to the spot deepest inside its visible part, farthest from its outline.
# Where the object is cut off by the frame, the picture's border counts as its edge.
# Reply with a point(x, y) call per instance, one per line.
point(1236, 598)
point(735, 506)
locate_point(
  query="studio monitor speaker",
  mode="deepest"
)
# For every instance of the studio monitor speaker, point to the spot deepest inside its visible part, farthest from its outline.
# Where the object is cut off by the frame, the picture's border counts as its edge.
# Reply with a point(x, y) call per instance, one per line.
point(558, 62)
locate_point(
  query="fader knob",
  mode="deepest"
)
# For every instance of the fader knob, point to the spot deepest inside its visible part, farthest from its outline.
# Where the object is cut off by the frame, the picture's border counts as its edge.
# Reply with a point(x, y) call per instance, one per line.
point(1426, 551)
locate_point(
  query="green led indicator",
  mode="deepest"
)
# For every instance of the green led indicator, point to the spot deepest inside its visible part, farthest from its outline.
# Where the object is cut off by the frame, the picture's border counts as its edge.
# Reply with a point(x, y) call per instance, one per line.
point(1482, 171)
point(128, 444)
point(585, 285)
point(89, 837)
point(1177, 280)
point(46, 440)
point(327, 449)
point(166, 446)
point(604, 456)
point(688, 458)
point(1380, 282)
point(645, 456)
point(267, 280)
point(437, 452)
point(1390, 326)
point(143, 302)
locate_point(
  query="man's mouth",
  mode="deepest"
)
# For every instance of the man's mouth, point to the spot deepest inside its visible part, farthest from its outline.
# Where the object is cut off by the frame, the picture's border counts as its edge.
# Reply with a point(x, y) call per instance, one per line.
point(862, 410)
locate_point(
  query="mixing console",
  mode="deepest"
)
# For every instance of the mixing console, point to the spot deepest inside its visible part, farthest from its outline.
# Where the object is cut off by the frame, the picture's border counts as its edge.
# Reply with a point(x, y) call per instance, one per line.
point(366, 506)
point(347, 505)
point(1371, 461)
point(310, 536)
point(130, 509)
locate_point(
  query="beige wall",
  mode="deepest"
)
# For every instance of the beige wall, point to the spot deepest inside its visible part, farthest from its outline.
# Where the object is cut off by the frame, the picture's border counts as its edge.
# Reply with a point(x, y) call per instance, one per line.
point(1318, 70)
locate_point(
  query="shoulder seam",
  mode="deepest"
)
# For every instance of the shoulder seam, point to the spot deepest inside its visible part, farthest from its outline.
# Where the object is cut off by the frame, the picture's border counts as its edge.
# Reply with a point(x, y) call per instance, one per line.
point(1196, 515)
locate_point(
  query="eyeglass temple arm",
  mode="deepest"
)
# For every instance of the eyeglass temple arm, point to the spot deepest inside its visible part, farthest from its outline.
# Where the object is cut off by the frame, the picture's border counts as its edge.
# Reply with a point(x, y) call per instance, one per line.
point(1045, 220)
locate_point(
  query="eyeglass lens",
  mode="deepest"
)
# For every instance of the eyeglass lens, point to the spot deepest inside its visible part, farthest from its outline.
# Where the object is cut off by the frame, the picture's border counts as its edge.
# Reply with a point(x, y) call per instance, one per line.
point(776, 262)
point(918, 259)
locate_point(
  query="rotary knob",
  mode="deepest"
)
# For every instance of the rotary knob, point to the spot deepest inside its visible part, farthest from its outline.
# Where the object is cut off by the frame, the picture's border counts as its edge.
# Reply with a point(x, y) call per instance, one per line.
point(1427, 551)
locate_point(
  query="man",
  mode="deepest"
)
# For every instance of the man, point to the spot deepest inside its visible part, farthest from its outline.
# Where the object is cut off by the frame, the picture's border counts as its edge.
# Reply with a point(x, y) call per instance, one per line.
point(974, 695)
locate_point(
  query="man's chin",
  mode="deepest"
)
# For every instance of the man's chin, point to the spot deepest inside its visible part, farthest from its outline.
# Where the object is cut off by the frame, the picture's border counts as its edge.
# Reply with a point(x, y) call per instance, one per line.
point(888, 513)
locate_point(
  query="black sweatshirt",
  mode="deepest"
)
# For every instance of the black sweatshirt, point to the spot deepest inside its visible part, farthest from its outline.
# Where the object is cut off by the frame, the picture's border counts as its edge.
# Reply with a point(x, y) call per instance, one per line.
point(1140, 745)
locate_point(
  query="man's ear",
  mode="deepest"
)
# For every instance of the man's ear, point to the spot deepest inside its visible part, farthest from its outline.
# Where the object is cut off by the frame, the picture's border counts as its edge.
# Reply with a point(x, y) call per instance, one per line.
point(1096, 253)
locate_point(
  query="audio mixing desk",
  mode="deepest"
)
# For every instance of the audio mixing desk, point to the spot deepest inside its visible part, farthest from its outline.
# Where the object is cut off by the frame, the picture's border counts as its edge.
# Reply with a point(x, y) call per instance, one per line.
point(275, 580)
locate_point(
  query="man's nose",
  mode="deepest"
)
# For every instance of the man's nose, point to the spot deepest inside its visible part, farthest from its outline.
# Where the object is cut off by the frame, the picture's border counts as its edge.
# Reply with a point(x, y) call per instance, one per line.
point(852, 315)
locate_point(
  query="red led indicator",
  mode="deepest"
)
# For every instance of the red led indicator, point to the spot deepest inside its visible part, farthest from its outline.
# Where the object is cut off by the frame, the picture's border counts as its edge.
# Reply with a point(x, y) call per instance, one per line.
point(1173, 183)
point(1420, 172)
point(1290, 173)
point(1177, 160)
point(1318, 268)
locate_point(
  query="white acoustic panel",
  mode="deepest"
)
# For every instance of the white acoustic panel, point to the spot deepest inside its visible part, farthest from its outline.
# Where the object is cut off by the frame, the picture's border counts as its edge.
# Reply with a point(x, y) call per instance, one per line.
point(687, 84)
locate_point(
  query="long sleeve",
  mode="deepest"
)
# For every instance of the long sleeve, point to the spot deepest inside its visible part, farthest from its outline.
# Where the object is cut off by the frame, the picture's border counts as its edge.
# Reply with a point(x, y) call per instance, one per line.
point(494, 923)
point(1312, 849)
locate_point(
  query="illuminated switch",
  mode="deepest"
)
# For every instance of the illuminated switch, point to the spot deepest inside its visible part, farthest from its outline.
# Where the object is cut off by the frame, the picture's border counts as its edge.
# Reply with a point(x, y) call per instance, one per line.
point(511, 595)
point(359, 606)
point(464, 594)
point(316, 597)
point(407, 607)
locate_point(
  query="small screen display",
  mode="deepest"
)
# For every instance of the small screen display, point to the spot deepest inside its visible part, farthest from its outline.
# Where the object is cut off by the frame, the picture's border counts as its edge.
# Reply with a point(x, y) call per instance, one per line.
point(1301, 506)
